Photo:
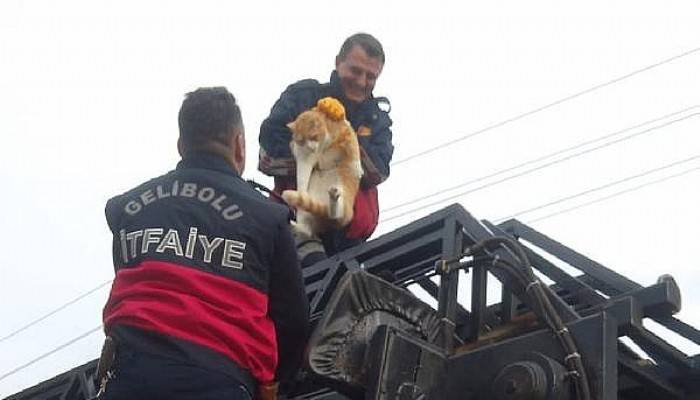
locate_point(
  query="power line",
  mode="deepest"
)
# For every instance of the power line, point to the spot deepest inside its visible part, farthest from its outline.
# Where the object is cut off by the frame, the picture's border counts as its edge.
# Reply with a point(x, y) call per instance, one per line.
point(544, 107)
point(41, 357)
point(457, 140)
point(449, 143)
point(93, 330)
point(36, 321)
point(60, 308)
point(615, 194)
point(528, 171)
point(502, 171)
point(598, 188)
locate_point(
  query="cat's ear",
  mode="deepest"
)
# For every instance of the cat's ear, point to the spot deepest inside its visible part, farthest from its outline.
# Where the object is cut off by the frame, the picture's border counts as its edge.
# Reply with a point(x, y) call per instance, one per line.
point(291, 125)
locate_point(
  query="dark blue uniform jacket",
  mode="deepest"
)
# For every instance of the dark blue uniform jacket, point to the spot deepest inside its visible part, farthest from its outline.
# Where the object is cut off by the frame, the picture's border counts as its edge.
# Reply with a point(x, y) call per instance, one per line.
point(207, 273)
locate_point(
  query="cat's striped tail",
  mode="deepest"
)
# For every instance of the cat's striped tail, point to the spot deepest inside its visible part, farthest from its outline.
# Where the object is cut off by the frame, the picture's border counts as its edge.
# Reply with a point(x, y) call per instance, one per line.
point(302, 201)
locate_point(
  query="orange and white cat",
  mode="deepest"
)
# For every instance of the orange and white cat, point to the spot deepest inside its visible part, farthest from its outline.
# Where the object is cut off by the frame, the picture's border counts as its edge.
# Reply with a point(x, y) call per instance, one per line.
point(327, 157)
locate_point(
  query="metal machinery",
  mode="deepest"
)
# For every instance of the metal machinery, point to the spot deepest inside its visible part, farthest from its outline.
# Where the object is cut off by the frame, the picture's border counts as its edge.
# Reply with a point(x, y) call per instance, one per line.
point(554, 341)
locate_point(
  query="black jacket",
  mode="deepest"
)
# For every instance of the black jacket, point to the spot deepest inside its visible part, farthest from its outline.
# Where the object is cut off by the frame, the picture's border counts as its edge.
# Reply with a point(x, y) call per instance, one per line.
point(207, 273)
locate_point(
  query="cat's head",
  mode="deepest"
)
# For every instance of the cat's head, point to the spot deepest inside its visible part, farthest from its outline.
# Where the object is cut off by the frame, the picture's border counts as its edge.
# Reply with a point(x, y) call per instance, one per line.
point(317, 126)
point(309, 129)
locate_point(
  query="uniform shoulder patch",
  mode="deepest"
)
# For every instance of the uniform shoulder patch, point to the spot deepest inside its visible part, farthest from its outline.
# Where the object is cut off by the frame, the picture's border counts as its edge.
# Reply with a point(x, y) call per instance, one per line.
point(364, 131)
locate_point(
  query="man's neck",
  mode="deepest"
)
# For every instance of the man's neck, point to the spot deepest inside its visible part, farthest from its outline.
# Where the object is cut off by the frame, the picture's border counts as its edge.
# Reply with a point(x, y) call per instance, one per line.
point(203, 154)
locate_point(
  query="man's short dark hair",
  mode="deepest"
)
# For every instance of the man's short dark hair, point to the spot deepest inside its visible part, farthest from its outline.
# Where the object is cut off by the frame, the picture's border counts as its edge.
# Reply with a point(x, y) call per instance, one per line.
point(367, 42)
point(208, 115)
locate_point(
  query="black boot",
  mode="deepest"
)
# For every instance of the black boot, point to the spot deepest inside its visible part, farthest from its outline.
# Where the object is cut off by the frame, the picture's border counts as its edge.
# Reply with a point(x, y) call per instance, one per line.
point(309, 248)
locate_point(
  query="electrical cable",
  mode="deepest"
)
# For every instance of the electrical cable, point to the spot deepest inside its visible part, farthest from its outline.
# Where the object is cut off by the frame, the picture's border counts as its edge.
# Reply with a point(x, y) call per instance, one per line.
point(41, 357)
point(75, 300)
point(540, 298)
point(36, 321)
point(537, 168)
point(490, 243)
point(614, 195)
point(544, 107)
point(493, 126)
point(500, 263)
point(595, 189)
point(411, 157)
point(541, 158)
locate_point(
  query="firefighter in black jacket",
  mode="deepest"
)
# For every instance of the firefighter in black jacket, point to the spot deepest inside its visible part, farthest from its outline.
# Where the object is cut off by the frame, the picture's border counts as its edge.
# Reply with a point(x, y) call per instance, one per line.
point(208, 300)
point(357, 67)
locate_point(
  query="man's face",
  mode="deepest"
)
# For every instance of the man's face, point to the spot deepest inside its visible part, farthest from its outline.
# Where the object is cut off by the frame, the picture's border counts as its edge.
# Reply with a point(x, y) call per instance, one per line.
point(358, 73)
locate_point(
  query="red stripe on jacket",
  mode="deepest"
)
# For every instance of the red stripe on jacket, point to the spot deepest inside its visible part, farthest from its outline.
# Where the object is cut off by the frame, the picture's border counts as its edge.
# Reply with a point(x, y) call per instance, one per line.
point(202, 308)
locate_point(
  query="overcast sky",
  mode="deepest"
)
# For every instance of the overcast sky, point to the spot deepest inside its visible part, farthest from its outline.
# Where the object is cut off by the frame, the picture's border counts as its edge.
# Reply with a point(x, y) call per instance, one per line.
point(89, 93)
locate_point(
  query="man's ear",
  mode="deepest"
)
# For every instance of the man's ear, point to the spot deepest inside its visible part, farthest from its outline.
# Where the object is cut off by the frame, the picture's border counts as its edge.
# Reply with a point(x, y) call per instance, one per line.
point(239, 152)
point(337, 62)
point(180, 147)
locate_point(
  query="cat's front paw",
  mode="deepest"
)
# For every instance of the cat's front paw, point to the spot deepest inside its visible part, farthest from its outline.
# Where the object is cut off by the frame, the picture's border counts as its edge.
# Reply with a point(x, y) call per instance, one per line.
point(333, 193)
point(334, 209)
